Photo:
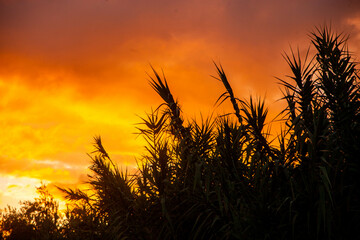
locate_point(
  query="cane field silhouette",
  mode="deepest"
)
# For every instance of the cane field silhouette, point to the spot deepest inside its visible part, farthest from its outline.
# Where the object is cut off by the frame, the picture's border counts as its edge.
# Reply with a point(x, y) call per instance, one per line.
point(222, 177)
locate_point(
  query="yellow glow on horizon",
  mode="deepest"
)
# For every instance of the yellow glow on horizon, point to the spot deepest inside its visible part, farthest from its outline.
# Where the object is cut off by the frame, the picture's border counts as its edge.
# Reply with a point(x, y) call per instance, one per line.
point(15, 189)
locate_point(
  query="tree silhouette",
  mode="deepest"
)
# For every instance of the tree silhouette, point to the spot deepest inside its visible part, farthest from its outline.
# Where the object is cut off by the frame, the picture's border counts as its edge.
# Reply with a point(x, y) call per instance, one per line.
point(38, 219)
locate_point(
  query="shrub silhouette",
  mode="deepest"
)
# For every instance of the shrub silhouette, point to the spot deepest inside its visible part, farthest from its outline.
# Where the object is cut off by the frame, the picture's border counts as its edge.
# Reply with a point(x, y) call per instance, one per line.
point(38, 219)
point(222, 178)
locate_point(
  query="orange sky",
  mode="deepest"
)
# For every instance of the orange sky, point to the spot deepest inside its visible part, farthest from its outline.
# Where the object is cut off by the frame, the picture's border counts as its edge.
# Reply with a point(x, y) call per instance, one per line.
point(73, 69)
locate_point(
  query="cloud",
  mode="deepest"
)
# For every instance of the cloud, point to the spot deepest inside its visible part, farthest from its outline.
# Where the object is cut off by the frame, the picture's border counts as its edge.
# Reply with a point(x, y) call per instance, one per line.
point(104, 47)
point(47, 135)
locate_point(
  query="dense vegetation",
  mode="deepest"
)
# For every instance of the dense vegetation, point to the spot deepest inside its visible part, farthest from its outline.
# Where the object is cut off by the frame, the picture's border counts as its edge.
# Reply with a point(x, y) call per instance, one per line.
point(222, 178)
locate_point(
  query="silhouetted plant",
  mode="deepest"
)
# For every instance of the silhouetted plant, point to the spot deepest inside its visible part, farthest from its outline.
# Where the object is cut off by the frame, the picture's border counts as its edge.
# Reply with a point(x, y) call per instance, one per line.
point(39, 219)
point(224, 178)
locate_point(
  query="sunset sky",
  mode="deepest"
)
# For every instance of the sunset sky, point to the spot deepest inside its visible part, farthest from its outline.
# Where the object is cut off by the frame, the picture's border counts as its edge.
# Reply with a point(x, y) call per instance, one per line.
point(73, 69)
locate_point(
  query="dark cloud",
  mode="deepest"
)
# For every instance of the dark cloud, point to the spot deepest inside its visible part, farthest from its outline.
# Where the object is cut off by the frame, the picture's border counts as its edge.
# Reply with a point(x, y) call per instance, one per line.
point(103, 48)
point(96, 39)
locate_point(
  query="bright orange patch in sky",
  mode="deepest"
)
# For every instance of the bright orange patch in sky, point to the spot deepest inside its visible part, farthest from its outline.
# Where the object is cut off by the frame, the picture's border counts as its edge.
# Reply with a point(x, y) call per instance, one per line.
point(70, 70)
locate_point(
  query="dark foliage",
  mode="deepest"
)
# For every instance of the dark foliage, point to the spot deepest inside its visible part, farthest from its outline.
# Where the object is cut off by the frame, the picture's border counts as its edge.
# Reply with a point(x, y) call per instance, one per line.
point(39, 219)
point(222, 178)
